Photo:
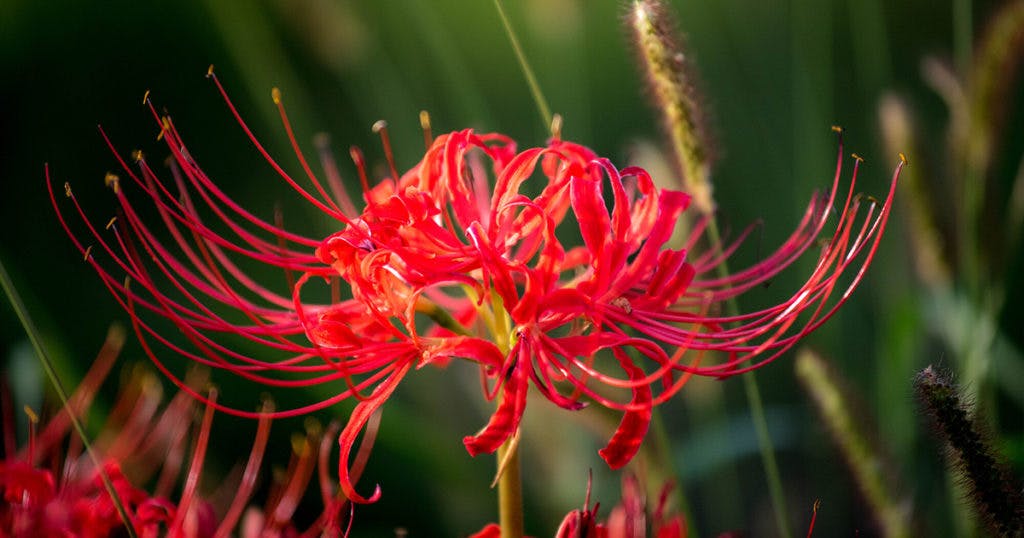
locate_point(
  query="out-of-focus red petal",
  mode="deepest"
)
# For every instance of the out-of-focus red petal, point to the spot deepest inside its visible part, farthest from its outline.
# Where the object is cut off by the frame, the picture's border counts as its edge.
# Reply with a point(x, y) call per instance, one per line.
point(491, 530)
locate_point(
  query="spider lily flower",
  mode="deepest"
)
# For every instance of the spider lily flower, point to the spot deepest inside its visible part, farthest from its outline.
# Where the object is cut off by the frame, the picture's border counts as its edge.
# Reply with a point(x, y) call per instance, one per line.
point(547, 267)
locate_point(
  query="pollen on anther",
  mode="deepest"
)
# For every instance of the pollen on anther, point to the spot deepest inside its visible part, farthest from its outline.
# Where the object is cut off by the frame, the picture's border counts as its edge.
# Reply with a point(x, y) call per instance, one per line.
point(113, 181)
point(137, 155)
point(379, 126)
point(32, 416)
point(209, 71)
point(67, 189)
point(428, 135)
point(275, 94)
point(145, 97)
point(856, 157)
point(87, 253)
point(903, 159)
point(110, 223)
point(837, 129)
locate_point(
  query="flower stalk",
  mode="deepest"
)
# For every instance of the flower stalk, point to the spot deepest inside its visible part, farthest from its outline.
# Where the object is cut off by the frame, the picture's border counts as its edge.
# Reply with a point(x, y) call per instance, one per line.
point(510, 490)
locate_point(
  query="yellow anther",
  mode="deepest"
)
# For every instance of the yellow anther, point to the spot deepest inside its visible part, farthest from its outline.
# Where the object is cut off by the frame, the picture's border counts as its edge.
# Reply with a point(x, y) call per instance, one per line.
point(67, 189)
point(88, 252)
point(556, 126)
point(275, 94)
point(299, 444)
point(313, 427)
point(428, 135)
point(209, 71)
point(903, 159)
point(110, 223)
point(837, 129)
point(32, 416)
point(137, 155)
point(856, 157)
point(113, 181)
point(145, 97)
point(379, 126)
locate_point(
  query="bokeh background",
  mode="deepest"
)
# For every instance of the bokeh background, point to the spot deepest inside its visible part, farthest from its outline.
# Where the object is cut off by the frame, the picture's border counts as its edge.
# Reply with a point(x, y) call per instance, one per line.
point(775, 76)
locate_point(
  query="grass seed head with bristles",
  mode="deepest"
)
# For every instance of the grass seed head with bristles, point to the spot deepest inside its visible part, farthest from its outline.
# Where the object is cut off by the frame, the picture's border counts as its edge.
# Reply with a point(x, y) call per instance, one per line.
point(867, 462)
point(671, 79)
point(995, 493)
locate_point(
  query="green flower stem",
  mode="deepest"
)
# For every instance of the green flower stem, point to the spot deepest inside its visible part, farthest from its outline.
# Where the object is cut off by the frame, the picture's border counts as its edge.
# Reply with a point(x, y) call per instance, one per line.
point(764, 438)
point(510, 490)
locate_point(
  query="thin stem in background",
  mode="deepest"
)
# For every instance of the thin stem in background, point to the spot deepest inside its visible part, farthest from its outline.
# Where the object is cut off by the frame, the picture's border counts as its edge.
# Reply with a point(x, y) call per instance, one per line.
point(531, 80)
point(756, 407)
point(58, 387)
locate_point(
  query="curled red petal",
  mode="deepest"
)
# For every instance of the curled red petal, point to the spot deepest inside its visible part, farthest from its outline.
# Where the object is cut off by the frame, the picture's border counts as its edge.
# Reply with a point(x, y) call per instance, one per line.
point(360, 416)
point(625, 442)
point(505, 420)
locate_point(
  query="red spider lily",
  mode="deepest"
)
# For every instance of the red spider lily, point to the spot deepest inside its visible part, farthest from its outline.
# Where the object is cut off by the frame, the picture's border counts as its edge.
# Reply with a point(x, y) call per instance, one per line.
point(454, 259)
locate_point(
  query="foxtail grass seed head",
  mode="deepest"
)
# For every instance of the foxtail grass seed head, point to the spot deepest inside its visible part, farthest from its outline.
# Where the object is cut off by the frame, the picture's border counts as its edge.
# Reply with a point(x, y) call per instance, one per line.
point(838, 411)
point(994, 493)
point(671, 81)
point(930, 258)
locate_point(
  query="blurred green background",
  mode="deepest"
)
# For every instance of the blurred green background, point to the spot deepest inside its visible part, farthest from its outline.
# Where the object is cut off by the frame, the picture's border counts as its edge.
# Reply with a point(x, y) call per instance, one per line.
point(776, 75)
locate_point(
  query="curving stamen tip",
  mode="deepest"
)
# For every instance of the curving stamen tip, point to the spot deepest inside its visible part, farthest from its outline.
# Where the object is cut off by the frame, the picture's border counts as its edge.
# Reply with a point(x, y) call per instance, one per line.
point(379, 126)
point(209, 71)
point(138, 156)
point(556, 127)
point(428, 135)
point(356, 154)
point(275, 94)
point(32, 416)
point(857, 158)
point(87, 253)
point(110, 223)
point(145, 98)
point(837, 129)
point(113, 181)
point(67, 189)
point(267, 405)
point(903, 158)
